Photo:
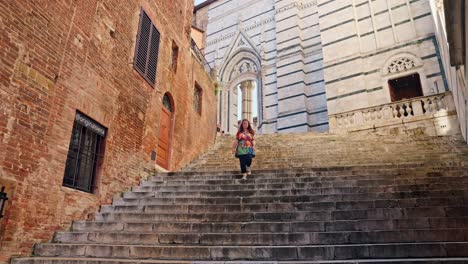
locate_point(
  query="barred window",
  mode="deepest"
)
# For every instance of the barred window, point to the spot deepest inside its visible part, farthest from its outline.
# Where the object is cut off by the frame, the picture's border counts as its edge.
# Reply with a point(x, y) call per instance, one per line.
point(147, 49)
point(84, 152)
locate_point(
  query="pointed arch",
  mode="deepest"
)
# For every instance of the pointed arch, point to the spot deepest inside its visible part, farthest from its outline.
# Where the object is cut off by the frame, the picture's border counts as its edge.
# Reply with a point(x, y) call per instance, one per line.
point(242, 62)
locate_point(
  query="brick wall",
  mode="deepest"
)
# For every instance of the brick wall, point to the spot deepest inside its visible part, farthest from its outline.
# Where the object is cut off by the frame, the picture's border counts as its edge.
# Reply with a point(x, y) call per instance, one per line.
point(57, 57)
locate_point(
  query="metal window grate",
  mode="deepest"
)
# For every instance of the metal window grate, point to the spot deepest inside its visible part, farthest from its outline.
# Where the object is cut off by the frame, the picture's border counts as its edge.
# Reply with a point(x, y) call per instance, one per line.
point(3, 199)
point(147, 49)
point(83, 155)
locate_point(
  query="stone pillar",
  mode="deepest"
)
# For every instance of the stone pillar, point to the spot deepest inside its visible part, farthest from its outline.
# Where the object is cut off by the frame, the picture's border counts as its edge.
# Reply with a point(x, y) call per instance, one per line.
point(247, 89)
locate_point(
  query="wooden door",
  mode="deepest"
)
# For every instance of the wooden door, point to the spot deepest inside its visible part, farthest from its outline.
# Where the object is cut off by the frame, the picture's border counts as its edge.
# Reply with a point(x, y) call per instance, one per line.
point(164, 139)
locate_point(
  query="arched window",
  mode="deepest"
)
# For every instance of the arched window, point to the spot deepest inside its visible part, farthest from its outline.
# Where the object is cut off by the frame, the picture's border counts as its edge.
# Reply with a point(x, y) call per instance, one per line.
point(167, 102)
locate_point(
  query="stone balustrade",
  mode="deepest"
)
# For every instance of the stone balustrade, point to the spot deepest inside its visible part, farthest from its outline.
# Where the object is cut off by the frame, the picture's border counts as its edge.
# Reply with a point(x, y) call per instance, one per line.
point(433, 111)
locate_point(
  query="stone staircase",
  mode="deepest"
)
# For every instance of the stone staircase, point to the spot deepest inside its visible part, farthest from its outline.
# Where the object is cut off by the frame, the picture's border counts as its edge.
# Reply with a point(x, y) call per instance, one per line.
point(312, 198)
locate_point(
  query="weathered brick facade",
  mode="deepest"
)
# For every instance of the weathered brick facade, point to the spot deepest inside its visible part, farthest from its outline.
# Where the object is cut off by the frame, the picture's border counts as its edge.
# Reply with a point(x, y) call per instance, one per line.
point(57, 57)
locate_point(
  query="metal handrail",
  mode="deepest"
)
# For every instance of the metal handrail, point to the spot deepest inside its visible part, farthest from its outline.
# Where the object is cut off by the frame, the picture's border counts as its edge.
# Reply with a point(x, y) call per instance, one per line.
point(200, 56)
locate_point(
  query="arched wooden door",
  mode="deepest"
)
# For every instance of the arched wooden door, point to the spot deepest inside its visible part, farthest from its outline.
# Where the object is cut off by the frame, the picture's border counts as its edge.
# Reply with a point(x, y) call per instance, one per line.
point(165, 129)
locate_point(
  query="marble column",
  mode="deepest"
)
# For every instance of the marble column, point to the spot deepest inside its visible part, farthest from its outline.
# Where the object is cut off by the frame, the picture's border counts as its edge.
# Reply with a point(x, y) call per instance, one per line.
point(247, 90)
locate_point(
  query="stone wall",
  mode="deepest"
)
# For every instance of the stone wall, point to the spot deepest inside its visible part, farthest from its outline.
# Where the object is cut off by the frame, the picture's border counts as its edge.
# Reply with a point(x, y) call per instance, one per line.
point(448, 30)
point(58, 57)
point(361, 39)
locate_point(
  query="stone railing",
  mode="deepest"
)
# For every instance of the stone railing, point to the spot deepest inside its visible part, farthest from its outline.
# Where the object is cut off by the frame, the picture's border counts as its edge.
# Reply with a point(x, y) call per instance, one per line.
point(394, 114)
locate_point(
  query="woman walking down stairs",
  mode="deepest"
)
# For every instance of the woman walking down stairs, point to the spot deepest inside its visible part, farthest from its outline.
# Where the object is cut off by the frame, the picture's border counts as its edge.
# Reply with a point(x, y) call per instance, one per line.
point(313, 198)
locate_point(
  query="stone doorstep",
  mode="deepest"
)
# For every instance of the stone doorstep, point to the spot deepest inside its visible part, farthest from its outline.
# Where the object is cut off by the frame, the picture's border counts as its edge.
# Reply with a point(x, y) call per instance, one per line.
point(45, 260)
point(327, 252)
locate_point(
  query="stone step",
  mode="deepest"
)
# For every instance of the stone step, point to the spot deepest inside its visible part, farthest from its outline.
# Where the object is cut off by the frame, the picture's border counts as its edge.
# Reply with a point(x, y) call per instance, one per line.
point(300, 191)
point(267, 227)
point(321, 182)
point(259, 174)
point(291, 198)
point(48, 260)
point(324, 215)
point(304, 178)
point(309, 163)
point(265, 239)
point(318, 252)
point(279, 207)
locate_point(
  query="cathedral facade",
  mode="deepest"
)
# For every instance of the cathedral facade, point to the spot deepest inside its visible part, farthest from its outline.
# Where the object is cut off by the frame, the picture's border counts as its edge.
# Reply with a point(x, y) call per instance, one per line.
point(313, 59)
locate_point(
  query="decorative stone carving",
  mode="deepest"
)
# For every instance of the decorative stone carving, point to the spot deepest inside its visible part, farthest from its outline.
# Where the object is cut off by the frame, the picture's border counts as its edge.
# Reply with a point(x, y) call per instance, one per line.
point(400, 65)
point(243, 67)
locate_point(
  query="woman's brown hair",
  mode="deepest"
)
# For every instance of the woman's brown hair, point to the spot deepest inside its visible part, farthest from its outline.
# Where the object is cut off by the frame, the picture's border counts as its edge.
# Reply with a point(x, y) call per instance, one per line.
point(241, 127)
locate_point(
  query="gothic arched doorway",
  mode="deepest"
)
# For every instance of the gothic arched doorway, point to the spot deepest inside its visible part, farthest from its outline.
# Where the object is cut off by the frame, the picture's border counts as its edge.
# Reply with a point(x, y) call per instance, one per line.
point(165, 131)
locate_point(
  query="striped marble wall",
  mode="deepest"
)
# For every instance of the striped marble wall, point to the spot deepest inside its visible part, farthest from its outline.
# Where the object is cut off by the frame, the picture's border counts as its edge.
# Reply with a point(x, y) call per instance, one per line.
point(320, 57)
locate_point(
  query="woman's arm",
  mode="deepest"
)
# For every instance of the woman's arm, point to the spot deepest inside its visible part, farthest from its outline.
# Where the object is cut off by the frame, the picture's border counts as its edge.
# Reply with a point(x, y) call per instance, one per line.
point(234, 145)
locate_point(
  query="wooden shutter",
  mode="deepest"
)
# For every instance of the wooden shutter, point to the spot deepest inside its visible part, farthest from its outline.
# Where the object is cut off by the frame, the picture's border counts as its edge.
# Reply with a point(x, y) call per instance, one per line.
point(153, 55)
point(147, 48)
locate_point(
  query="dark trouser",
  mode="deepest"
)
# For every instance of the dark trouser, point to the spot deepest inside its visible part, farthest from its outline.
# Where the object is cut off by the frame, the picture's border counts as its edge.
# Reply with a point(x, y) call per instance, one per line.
point(245, 161)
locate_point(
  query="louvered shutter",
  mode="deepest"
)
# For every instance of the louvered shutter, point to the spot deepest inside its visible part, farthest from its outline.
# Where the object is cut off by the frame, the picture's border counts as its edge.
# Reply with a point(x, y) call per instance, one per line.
point(153, 55)
point(147, 48)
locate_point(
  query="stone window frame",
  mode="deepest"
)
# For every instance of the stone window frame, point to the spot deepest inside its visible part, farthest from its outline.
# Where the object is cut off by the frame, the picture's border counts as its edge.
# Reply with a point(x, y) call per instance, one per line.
point(418, 68)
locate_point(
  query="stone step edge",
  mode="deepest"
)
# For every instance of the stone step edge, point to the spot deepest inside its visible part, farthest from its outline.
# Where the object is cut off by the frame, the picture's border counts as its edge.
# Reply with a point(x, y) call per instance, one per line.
point(387, 166)
point(158, 192)
point(128, 199)
point(284, 182)
point(272, 222)
point(279, 176)
point(325, 168)
point(141, 261)
point(248, 246)
point(258, 174)
point(257, 233)
point(311, 203)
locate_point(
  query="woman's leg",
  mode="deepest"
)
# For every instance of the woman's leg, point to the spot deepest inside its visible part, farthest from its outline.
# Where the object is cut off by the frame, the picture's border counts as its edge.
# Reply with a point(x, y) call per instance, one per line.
point(248, 160)
point(243, 163)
